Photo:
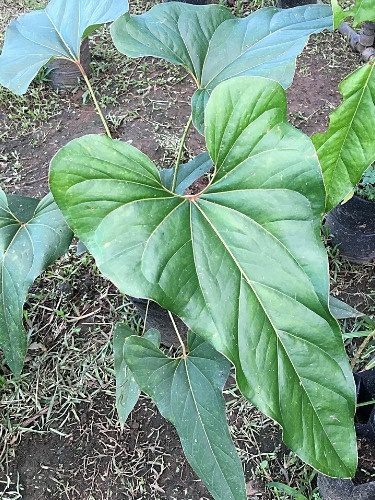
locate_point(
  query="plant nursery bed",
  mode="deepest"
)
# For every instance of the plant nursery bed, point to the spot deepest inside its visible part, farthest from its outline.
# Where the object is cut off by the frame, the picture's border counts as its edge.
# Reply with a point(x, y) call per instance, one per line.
point(59, 432)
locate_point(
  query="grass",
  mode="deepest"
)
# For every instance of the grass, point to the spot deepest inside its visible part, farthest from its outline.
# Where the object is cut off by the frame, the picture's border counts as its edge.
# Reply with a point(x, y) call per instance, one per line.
point(65, 398)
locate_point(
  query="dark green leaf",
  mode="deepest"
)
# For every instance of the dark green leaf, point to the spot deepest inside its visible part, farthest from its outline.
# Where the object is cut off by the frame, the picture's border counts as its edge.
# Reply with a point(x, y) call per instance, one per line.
point(347, 148)
point(341, 310)
point(188, 392)
point(32, 236)
point(187, 174)
point(127, 389)
point(54, 32)
point(242, 264)
point(213, 46)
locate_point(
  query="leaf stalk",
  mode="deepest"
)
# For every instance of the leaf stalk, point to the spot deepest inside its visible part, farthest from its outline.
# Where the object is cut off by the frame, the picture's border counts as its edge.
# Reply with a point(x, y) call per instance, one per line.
point(184, 352)
point(181, 150)
point(92, 93)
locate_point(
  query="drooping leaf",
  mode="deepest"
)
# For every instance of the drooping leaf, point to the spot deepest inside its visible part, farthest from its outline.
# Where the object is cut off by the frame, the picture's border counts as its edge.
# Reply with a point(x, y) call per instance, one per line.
point(32, 236)
point(342, 310)
point(347, 148)
point(51, 33)
point(213, 45)
point(360, 10)
point(127, 389)
point(188, 393)
point(242, 263)
point(187, 173)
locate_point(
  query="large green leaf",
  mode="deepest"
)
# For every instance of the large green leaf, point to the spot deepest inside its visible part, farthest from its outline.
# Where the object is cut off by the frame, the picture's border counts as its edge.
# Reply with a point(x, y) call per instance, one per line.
point(360, 11)
point(242, 263)
point(127, 389)
point(347, 147)
point(54, 32)
point(188, 392)
point(32, 236)
point(213, 46)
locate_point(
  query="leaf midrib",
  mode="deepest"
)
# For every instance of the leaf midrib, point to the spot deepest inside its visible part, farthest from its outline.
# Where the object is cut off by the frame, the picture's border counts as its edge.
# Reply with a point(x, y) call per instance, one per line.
point(74, 58)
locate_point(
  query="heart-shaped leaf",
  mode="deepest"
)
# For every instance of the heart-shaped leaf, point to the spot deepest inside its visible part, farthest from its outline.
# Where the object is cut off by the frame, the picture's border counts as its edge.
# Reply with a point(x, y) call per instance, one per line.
point(188, 393)
point(347, 148)
point(51, 33)
point(187, 173)
point(242, 263)
point(32, 236)
point(213, 46)
point(127, 389)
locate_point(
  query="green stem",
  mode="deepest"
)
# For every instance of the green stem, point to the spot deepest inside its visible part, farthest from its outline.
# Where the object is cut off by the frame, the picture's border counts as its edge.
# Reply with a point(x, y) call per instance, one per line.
point(181, 151)
point(145, 320)
point(366, 403)
point(92, 93)
point(184, 352)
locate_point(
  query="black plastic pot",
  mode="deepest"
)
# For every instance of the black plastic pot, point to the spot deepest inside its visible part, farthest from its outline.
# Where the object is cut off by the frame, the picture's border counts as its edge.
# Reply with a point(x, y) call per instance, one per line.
point(345, 489)
point(64, 74)
point(287, 4)
point(352, 226)
point(365, 415)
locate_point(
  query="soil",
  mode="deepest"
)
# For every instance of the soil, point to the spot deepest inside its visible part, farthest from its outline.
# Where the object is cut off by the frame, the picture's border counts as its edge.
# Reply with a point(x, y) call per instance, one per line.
point(84, 454)
point(366, 462)
point(43, 460)
point(142, 132)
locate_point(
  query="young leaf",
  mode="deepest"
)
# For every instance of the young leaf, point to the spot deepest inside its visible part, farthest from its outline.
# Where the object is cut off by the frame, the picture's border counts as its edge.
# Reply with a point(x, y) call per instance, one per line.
point(188, 393)
point(341, 310)
point(347, 147)
point(242, 263)
point(32, 236)
point(51, 33)
point(213, 46)
point(187, 173)
point(361, 11)
point(127, 389)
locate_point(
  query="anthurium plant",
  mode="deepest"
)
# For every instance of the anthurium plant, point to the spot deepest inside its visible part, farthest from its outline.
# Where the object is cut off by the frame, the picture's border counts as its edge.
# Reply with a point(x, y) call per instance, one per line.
point(242, 262)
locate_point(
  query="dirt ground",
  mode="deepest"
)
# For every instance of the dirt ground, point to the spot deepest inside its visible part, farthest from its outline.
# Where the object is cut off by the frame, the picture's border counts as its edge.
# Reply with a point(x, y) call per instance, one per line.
point(59, 435)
